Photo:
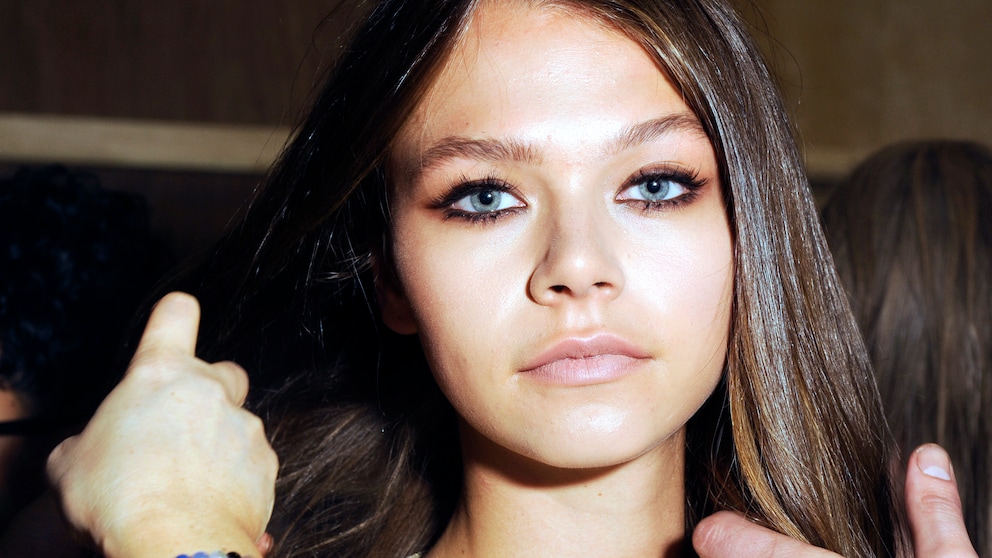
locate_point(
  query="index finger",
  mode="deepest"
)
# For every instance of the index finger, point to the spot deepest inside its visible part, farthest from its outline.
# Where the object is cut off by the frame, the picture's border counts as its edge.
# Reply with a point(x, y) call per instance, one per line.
point(934, 505)
point(172, 325)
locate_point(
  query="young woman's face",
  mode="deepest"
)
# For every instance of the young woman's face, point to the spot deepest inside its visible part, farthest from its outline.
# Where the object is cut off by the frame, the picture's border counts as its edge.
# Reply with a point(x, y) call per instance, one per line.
point(560, 242)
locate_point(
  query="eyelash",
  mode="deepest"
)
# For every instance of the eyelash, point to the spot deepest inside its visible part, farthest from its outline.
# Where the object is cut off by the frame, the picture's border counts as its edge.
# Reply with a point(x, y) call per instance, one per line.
point(689, 180)
point(466, 187)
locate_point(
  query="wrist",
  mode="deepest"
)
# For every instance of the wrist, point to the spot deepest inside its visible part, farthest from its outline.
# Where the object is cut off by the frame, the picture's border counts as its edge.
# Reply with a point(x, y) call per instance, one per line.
point(215, 554)
point(178, 539)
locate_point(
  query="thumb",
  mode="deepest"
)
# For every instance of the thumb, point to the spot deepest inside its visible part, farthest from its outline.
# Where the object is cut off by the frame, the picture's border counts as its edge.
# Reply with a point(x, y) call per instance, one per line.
point(728, 534)
point(934, 505)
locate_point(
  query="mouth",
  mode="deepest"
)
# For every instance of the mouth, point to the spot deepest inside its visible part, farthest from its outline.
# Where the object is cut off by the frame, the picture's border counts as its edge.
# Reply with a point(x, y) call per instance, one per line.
point(577, 362)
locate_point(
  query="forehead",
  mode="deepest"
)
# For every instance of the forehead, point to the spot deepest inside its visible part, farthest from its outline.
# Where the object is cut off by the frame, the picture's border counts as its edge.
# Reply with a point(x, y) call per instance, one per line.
point(517, 64)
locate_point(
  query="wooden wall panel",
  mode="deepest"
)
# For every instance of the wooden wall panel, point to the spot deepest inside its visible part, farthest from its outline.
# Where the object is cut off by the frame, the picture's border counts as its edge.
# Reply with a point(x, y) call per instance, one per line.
point(232, 61)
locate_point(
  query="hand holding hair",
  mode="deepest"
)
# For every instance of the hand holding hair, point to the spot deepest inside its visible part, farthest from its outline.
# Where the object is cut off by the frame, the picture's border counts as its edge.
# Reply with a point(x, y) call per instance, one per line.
point(932, 503)
point(170, 462)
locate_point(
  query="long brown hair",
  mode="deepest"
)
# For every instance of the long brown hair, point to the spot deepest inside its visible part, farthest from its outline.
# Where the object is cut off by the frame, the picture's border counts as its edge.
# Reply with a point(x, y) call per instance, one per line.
point(794, 436)
point(911, 230)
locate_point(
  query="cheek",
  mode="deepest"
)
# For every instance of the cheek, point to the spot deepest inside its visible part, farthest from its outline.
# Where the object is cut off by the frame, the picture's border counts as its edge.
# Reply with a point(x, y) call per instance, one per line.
point(714, 308)
point(705, 296)
point(458, 290)
point(687, 289)
point(454, 272)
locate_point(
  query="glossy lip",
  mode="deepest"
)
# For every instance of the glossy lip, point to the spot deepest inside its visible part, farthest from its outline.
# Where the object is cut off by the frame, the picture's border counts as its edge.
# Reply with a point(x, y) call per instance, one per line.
point(594, 360)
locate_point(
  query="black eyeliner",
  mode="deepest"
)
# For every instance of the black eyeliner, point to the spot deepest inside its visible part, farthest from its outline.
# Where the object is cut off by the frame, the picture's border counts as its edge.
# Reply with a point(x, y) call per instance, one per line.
point(466, 187)
point(689, 180)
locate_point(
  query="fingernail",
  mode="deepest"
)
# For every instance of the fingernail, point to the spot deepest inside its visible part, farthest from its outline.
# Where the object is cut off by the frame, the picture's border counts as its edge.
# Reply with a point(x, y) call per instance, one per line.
point(934, 462)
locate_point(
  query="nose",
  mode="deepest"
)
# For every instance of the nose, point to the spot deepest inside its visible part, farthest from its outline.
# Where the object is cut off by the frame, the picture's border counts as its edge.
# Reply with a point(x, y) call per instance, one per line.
point(579, 260)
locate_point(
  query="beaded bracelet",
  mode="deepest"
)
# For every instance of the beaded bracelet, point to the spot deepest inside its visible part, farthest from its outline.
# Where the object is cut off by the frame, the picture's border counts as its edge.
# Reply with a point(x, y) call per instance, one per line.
point(215, 554)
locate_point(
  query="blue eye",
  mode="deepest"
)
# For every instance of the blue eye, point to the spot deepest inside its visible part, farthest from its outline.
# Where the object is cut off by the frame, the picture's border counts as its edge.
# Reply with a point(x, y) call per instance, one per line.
point(479, 201)
point(653, 189)
point(486, 200)
point(660, 189)
point(482, 201)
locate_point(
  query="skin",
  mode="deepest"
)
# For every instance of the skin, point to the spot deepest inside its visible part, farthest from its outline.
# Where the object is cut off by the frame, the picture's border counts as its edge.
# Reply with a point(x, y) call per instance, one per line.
point(571, 254)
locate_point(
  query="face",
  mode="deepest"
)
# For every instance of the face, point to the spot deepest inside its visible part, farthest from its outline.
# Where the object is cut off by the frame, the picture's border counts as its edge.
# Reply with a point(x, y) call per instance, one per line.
point(560, 242)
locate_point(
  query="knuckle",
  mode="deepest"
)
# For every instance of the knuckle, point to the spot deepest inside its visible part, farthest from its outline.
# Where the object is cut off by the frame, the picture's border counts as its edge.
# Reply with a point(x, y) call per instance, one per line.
point(210, 389)
point(57, 458)
point(254, 424)
point(232, 369)
point(154, 368)
point(273, 462)
point(234, 378)
point(256, 432)
point(941, 506)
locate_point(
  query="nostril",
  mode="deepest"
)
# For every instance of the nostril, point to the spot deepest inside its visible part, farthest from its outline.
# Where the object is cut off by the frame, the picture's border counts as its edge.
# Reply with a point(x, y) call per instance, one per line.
point(559, 288)
point(602, 284)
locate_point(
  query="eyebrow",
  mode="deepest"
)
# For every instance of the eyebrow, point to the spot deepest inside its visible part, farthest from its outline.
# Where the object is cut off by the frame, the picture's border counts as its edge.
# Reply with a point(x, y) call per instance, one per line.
point(499, 150)
point(652, 129)
point(459, 147)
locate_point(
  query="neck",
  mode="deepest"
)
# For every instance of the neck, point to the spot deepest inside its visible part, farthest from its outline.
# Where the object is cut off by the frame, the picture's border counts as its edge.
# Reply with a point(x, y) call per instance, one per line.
point(513, 506)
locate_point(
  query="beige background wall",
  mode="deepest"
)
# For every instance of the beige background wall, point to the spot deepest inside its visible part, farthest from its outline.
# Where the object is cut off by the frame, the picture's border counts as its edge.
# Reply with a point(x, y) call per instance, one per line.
point(223, 61)
point(863, 73)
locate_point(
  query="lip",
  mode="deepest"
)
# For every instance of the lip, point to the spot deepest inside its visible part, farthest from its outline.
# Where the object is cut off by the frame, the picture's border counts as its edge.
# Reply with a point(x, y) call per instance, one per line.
point(578, 361)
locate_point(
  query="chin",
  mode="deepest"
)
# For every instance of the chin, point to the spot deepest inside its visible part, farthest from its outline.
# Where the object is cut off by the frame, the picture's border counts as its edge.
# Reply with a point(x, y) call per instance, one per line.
point(607, 440)
point(589, 437)
point(594, 453)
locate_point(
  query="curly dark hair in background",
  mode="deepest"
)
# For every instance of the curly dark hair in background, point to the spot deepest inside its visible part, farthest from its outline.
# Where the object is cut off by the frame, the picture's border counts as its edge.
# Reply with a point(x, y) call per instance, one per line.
point(75, 262)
